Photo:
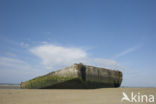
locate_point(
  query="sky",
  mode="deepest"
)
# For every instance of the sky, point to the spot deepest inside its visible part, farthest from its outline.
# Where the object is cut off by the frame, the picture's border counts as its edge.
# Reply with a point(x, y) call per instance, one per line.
point(40, 36)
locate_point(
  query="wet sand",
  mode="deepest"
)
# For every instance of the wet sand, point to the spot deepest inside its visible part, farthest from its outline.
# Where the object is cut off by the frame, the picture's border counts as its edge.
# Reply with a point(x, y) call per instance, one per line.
point(67, 96)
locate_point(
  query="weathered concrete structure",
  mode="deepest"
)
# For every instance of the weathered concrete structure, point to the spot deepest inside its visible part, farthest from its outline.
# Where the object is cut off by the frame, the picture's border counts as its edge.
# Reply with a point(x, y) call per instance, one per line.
point(76, 76)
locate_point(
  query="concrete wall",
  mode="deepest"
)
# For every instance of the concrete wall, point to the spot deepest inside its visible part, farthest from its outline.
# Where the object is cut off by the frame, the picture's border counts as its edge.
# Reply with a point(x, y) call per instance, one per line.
point(70, 71)
point(101, 75)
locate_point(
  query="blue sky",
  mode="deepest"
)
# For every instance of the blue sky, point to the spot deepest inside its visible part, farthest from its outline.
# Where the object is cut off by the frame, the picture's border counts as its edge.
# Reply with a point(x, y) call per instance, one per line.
point(40, 36)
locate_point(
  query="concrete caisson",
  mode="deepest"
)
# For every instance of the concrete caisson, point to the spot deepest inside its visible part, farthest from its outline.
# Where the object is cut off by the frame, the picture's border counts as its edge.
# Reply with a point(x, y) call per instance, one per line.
point(77, 76)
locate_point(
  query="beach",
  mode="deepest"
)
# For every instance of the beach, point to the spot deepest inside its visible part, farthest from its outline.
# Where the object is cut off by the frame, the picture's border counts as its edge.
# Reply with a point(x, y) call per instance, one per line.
point(71, 96)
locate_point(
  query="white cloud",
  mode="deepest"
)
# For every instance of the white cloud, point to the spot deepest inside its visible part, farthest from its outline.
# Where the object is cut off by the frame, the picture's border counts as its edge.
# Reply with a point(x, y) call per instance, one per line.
point(24, 45)
point(44, 42)
point(53, 57)
point(13, 70)
point(12, 63)
point(11, 54)
point(107, 63)
point(16, 70)
point(129, 50)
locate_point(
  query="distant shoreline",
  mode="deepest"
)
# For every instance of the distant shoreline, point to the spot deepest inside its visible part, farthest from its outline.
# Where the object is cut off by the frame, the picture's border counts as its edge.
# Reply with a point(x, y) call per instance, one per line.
point(17, 86)
point(9, 86)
